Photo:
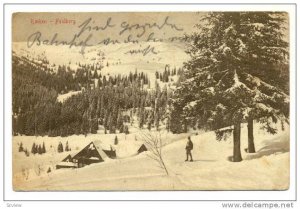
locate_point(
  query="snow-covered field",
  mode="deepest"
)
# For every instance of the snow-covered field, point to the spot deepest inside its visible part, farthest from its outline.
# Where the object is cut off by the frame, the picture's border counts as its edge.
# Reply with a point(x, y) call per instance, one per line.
point(268, 169)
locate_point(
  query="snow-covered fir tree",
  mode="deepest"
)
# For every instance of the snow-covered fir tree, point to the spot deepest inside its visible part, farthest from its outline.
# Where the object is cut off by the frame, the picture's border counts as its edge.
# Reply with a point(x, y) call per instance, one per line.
point(231, 76)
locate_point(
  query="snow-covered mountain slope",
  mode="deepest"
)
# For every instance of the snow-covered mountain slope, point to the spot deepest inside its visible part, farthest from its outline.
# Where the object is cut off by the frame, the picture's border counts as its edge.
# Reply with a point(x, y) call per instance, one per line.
point(268, 169)
point(115, 58)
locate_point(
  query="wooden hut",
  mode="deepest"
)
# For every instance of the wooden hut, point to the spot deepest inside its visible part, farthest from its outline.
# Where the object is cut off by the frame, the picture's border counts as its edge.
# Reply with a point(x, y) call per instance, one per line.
point(92, 153)
point(142, 148)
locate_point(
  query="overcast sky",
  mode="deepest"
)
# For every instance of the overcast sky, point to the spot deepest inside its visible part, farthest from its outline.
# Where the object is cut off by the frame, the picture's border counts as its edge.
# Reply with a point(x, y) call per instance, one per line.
point(172, 24)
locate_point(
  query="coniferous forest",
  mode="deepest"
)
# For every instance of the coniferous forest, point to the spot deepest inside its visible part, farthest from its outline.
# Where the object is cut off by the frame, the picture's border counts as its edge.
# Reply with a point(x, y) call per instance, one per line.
point(113, 102)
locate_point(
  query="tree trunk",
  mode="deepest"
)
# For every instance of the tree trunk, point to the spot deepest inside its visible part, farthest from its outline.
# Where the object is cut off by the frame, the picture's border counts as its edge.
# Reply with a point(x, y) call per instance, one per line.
point(237, 157)
point(251, 147)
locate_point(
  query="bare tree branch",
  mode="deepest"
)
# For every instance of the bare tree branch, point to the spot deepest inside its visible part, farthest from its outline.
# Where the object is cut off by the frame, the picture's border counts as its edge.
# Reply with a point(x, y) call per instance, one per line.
point(154, 144)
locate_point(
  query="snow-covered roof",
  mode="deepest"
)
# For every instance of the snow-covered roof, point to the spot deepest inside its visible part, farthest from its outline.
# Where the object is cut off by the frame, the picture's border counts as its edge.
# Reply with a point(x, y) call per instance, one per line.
point(94, 158)
point(69, 164)
point(98, 145)
point(92, 145)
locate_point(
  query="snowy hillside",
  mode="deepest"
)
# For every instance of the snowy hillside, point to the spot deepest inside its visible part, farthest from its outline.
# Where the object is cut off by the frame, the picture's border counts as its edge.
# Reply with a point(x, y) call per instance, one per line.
point(211, 170)
point(115, 58)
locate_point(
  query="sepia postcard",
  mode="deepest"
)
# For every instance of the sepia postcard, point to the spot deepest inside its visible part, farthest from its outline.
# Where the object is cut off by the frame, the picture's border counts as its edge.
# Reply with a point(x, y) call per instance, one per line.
point(150, 101)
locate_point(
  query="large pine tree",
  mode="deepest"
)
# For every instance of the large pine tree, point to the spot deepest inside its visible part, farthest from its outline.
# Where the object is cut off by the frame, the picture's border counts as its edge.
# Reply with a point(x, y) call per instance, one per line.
point(225, 82)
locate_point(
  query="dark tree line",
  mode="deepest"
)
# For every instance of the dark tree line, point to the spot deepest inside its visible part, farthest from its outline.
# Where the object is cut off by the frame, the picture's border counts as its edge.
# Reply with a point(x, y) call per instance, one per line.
point(61, 81)
point(166, 75)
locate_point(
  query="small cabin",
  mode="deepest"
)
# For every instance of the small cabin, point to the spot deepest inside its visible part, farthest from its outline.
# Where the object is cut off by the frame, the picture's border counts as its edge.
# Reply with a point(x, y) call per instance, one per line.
point(142, 148)
point(92, 153)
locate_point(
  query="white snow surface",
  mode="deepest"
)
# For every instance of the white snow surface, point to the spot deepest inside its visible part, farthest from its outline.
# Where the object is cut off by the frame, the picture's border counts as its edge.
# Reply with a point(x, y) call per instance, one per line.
point(63, 97)
point(267, 169)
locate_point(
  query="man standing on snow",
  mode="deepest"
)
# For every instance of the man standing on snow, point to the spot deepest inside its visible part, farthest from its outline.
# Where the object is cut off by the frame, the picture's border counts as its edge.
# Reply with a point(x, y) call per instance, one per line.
point(188, 148)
